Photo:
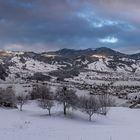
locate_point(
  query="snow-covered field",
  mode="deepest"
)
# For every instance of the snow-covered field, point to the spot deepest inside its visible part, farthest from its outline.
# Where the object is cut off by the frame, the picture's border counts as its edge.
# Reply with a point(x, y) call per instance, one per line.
point(34, 124)
point(127, 83)
point(31, 65)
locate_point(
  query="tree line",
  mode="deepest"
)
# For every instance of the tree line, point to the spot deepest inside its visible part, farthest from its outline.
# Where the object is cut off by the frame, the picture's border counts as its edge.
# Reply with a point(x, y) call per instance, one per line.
point(47, 99)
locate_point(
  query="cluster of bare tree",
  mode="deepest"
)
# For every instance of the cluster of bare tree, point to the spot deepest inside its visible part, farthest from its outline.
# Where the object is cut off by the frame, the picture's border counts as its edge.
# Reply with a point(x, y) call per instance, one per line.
point(68, 98)
point(8, 98)
point(64, 95)
point(46, 97)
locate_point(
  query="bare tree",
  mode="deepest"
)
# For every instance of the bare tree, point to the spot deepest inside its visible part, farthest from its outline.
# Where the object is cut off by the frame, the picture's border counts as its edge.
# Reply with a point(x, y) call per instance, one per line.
point(105, 102)
point(67, 97)
point(7, 97)
point(46, 104)
point(21, 100)
point(35, 93)
point(46, 98)
point(89, 105)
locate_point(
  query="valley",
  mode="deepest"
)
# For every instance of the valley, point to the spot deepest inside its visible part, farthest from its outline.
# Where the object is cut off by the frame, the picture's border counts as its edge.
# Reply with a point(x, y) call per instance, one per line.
point(89, 71)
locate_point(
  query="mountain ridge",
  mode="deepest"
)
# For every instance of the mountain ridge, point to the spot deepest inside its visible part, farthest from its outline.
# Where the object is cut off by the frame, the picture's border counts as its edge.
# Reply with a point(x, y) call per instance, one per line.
point(65, 51)
point(99, 50)
point(71, 61)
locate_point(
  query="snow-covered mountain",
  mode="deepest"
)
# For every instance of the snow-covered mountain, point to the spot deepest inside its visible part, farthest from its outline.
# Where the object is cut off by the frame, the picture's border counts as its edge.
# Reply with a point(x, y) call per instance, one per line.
point(24, 64)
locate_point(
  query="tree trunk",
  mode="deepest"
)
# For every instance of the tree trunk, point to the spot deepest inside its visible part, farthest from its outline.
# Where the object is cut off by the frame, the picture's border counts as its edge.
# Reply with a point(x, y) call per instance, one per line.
point(20, 107)
point(49, 112)
point(90, 118)
point(65, 112)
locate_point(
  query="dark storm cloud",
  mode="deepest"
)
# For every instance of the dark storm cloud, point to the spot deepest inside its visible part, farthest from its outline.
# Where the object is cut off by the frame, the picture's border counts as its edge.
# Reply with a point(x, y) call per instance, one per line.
point(54, 24)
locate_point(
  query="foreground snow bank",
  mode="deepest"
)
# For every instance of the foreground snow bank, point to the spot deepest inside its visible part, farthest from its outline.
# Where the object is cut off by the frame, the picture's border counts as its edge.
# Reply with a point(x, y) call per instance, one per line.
point(34, 124)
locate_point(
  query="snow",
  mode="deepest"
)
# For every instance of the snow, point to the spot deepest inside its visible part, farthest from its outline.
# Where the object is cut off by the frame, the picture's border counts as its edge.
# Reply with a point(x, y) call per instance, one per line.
point(32, 65)
point(123, 69)
point(134, 95)
point(99, 56)
point(33, 123)
point(82, 92)
point(137, 67)
point(39, 66)
point(103, 62)
point(99, 66)
point(127, 83)
point(29, 67)
point(127, 59)
point(14, 52)
point(49, 55)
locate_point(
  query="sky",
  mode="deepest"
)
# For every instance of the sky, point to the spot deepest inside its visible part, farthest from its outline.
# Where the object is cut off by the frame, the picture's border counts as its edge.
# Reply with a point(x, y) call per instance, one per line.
point(44, 25)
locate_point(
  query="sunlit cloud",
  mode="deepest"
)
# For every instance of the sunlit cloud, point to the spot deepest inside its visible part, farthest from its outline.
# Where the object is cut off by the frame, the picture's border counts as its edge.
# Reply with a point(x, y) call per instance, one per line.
point(109, 39)
point(37, 47)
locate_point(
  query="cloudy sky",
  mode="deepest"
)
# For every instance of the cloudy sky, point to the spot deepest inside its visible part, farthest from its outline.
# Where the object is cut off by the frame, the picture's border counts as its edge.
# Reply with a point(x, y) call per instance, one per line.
point(44, 25)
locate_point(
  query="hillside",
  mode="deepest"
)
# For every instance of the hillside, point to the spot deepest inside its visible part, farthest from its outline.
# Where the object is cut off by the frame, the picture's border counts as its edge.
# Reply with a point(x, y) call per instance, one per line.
point(25, 64)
